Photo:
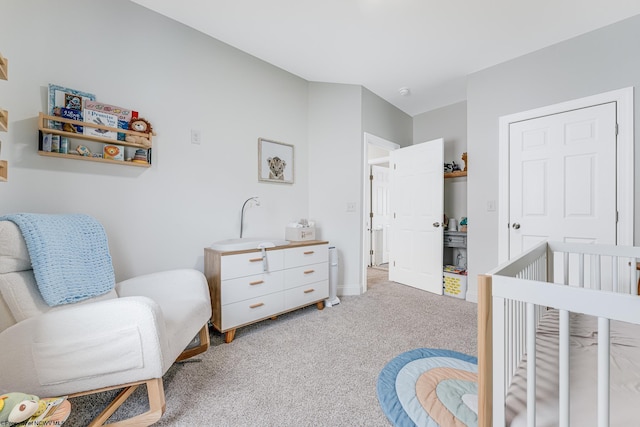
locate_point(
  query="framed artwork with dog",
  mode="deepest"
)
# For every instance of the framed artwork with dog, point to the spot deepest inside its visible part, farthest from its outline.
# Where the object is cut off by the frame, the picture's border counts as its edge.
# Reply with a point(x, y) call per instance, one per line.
point(275, 161)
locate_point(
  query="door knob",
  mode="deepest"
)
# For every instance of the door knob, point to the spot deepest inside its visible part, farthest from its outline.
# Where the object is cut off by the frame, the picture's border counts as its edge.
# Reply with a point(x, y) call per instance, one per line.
point(436, 224)
point(516, 226)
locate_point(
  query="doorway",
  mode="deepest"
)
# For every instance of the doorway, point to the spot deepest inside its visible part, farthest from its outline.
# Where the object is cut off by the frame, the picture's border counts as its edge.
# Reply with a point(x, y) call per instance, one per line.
point(533, 129)
point(375, 234)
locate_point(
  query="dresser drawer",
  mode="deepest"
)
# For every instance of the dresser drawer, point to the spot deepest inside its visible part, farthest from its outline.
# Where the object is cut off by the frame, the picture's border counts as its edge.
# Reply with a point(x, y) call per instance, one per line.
point(304, 295)
point(305, 255)
point(247, 311)
point(248, 264)
point(242, 288)
point(304, 275)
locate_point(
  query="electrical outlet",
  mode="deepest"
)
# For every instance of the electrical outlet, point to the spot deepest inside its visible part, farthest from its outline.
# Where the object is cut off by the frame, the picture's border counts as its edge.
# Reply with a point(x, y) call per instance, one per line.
point(195, 136)
point(351, 206)
point(491, 206)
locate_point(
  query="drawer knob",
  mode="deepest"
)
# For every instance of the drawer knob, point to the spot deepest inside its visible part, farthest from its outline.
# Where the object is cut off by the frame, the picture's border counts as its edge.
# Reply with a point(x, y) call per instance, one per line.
point(256, 305)
point(257, 282)
point(309, 271)
point(309, 252)
point(308, 291)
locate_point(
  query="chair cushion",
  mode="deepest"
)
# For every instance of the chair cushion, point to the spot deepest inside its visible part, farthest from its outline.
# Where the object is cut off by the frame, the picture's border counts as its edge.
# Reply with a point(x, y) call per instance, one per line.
point(13, 249)
point(20, 293)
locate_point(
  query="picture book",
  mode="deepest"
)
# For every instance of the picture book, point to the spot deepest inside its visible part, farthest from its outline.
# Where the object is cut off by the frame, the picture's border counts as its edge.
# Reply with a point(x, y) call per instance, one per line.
point(103, 119)
point(124, 114)
point(70, 99)
point(69, 114)
point(113, 152)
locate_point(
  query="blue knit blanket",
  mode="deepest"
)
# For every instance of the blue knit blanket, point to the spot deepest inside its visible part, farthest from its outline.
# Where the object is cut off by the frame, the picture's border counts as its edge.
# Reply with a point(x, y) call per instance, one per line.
point(69, 255)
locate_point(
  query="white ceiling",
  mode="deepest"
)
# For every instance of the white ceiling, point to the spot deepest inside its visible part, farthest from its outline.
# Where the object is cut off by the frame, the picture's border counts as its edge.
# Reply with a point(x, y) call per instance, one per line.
point(426, 45)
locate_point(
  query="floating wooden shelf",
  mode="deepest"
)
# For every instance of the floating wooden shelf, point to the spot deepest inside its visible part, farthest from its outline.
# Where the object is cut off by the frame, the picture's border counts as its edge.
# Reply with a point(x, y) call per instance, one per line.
point(4, 170)
point(92, 159)
point(4, 120)
point(455, 174)
point(43, 126)
point(4, 68)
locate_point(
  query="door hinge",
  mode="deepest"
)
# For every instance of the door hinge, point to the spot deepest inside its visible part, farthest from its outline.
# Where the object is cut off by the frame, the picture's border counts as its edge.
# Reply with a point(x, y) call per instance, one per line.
point(371, 252)
point(395, 166)
point(617, 129)
point(370, 214)
point(617, 216)
point(370, 177)
point(394, 215)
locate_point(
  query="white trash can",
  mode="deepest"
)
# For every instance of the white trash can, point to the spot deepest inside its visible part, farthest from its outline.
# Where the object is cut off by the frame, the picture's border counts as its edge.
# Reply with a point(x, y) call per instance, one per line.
point(333, 278)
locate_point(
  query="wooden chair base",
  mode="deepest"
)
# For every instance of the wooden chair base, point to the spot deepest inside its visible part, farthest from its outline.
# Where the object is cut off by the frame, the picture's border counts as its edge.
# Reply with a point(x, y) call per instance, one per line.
point(155, 393)
point(203, 337)
point(157, 404)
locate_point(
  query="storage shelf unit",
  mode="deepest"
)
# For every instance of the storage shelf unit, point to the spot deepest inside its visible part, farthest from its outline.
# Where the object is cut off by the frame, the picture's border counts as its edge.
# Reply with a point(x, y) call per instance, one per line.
point(455, 174)
point(44, 120)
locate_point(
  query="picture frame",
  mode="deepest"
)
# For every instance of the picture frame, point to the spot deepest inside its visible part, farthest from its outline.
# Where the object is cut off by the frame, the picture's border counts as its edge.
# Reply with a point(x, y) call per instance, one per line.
point(275, 161)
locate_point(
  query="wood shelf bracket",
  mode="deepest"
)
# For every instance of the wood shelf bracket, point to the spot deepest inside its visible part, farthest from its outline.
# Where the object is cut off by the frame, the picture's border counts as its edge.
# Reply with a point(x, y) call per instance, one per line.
point(4, 120)
point(4, 68)
point(4, 170)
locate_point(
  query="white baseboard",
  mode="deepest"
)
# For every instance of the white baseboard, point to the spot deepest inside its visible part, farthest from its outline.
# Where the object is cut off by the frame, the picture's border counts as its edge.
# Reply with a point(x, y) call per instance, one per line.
point(348, 290)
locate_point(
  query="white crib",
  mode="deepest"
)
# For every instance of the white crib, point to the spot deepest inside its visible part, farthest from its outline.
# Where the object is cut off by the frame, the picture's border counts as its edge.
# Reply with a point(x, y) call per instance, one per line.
point(561, 284)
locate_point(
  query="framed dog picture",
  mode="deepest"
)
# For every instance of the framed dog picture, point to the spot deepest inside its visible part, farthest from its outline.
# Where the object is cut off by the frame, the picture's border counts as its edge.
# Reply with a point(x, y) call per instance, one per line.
point(275, 161)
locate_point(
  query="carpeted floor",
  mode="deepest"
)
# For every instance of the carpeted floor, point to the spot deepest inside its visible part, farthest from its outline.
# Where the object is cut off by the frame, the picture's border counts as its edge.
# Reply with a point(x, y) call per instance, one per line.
point(308, 367)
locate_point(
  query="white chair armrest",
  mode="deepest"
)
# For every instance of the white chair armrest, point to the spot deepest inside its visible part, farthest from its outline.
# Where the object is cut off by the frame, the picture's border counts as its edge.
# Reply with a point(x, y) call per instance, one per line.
point(165, 286)
point(85, 347)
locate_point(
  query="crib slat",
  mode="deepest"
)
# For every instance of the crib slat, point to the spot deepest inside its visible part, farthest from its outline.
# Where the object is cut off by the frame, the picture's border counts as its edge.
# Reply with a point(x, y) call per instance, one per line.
point(603, 372)
point(581, 270)
point(531, 365)
point(563, 371)
point(614, 270)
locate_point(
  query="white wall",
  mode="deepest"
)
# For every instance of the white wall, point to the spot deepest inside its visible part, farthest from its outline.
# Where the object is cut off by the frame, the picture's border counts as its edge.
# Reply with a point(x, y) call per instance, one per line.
point(179, 79)
point(335, 158)
point(597, 62)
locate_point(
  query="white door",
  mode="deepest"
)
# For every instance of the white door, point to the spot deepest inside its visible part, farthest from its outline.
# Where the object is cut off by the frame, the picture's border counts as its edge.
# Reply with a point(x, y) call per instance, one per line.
point(563, 178)
point(380, 213)
point(416, 201)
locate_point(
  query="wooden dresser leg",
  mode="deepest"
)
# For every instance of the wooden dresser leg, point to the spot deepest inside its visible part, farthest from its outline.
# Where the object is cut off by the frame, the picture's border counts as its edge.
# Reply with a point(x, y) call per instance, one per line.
point(229, 335)
point(320, 305)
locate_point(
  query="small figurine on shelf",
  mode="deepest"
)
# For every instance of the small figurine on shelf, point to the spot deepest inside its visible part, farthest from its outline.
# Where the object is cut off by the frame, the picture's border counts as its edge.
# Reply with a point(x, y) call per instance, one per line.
point(140, 156)
point(454, 167)
point(139, 125)
point(464, 159)
point(463, 224)
point(83, 151)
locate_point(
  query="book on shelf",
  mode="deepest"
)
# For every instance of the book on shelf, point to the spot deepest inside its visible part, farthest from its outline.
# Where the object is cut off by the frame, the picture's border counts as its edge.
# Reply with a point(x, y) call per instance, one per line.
point(103, 119)
point(63, 98)
point(124, 114)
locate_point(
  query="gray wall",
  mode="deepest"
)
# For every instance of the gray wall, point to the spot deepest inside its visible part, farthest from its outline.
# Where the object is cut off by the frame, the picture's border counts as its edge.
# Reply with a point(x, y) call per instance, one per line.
point(597, 62)
point(179, 79)
point(382, 119)
point(450, 123)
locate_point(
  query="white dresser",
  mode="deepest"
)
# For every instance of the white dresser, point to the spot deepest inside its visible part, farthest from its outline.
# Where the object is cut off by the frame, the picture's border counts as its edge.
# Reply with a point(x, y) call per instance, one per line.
point(245, 289)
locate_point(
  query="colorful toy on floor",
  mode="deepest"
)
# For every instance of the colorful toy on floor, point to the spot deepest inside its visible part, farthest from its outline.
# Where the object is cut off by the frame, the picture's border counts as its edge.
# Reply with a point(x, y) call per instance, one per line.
point(17, 407)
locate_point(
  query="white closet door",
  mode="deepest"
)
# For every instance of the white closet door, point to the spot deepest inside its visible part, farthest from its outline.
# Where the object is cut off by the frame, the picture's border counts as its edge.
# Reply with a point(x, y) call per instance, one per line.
point(416, 201)
point(563, 178)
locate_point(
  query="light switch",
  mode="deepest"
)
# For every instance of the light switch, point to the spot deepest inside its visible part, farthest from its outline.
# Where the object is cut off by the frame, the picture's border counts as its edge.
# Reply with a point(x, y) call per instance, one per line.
point(195, 136)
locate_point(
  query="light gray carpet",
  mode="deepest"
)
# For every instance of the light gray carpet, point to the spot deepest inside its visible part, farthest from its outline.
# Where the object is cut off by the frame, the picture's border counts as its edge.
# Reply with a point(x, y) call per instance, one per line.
point(308, 367)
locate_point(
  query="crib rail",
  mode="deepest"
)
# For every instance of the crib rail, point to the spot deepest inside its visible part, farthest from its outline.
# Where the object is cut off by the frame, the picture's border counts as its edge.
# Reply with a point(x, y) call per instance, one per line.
point(512, 298)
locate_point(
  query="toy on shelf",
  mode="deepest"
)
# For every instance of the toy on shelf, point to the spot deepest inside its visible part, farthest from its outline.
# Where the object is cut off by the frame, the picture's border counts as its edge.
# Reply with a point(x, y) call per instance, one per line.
point(139, 125)
point(463, 224)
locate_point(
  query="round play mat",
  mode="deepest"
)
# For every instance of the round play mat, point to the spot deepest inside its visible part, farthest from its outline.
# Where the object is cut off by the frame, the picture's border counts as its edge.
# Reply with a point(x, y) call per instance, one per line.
point(430, 388)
